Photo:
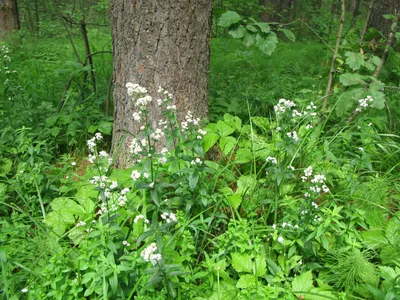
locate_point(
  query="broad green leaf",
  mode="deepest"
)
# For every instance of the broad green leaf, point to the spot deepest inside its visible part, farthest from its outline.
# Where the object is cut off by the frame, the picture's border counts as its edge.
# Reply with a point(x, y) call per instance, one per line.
point(92, 128)
point(379, 99)
point(268, 44)
point(84, 196)
point(355, 60)
point(224, 129)
point(302, 283)
point(264, 27)
point(233, 121)
point(261, 265)
point(209, 140)
point(251, 28)
point(227, 144)
point(246, 184)
point(50, 121)
point(375, 60)
point(348, 79)
point(223, 291)
point(193, 180)
point(246, 281)
point(242, 263)
point(237, 32)
point(344, 104)
point(288, 33)
point(261, 122)
point(3, 189)
point(105, 127)
point(235, 200)
point(66, 206)
point(248, 39)
point(5, 166)
point(229, 18)
point(243, 155)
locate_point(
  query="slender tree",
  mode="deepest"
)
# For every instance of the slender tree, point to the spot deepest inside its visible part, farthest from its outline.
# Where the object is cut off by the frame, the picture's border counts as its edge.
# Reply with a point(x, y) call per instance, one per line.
point(9, 20)
point(159, 43)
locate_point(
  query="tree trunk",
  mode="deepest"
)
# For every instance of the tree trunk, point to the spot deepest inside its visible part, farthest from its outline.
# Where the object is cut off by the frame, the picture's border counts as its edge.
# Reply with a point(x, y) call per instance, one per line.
point(159, 43)
point(8, 16)
point(275, 10)
point(380, 8)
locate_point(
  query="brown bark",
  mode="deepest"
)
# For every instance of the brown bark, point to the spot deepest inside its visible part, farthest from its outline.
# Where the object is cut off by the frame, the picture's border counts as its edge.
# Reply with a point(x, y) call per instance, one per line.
point(159, 43)
point(380, 8)
point(8, 16)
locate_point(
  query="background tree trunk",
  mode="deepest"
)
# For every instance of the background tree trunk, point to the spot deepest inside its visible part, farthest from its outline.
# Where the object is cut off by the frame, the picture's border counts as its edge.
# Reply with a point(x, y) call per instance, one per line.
point(8, 16)
point(159, 43)
point(275, 10)
point(380, 8)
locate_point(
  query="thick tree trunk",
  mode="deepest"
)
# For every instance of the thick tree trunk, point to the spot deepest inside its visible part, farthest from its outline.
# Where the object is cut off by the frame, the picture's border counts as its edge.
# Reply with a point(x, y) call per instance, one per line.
point(8, 16)
point(380, 8)
point(159, 43)
point(276, 10)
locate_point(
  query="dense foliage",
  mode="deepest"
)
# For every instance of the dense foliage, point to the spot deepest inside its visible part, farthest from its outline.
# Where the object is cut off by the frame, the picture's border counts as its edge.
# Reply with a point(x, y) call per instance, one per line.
point(270, 199)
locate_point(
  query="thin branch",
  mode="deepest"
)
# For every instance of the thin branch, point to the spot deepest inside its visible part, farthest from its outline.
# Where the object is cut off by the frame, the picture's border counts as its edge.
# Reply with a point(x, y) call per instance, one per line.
point(371, 3)
point(335, 53)
point(309, 27)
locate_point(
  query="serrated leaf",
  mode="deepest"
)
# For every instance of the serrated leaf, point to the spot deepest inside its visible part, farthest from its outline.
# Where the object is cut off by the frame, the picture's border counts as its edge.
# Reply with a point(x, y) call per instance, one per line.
point(348, 79)
point(233, 121)
point(288, 33)
point(264, 27)
point(375, 60)
point(242, 263)
point(379, 99)
point(246, 281)
point(84, 196)
point(248, 39)
point(355, 60)
point(267, 45)
point(229, 18)
point(246, 184)
point(237, 32)
point(302, 283)
point(227, 144)
point(261, 265)
point(261, 122)
point(223, 291)
point(251, 28)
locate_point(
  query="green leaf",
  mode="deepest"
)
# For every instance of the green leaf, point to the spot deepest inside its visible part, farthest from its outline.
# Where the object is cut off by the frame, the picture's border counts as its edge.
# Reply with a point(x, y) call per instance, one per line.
point(355, 60)
point(224, 129)
point(209, 140)
point(248, 39)
point(84, 196)
point(288, 33)
point(243, 155)
point(302, 283)
point(264, 27)
point(193, 180)
point(379, 98)
point(267, 45)
point(261, 265)
point(229, 18)
point(251, 28)
point(246, 184)
point(223, 291)
point(246, 281)
point(227, 144)
point(348, 79)
point(242, 263)
point(375, 60)
point(261, 122)
point(92, 128)
point(233, 121)
point(105, 127)
point(5, 166)
point(3, 189)
point(238, 32)
point(50, 121)
point(235, 200)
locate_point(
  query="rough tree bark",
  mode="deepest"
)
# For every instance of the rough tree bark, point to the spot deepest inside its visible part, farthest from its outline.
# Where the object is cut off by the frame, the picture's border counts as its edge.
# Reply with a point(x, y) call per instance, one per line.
point(159, 43)
point(380, 8)
point(8, 16)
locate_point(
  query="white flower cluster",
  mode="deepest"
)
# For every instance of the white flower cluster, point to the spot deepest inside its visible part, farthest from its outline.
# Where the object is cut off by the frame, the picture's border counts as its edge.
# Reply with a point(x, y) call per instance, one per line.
point(363, 103)
point(4, 52)
point(135, 175)
point(126, 244)
point(167, 94)
point(283, 105)
point(272, 159)
point(168, 217)
point(157, 134)
point(133, 89)
point(189, 120)
point(309, 110)
point(196, 161)
point(293, 135)
point(140, 217)
point(202, 133)
point(92, 142)
point(148, 254)
point(136, 146)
